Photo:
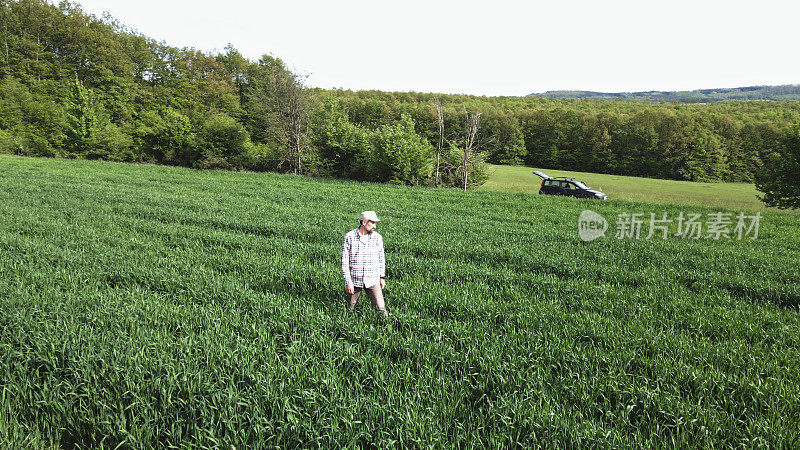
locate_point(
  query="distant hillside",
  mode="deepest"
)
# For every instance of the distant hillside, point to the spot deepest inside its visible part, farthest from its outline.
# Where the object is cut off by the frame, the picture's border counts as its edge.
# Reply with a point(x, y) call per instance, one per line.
point(787, 92)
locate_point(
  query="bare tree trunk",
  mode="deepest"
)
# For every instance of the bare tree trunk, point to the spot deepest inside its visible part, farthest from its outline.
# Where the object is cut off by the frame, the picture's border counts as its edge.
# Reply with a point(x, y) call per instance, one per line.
point(440, 119)
point(299, 117)
point(294, 119)
point(302, 126)
point(299, 156)
point(471, 129)
point(298, 141)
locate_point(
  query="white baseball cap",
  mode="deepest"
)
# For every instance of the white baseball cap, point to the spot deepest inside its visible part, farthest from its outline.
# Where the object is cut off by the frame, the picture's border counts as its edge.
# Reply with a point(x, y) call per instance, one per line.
point(370, 215)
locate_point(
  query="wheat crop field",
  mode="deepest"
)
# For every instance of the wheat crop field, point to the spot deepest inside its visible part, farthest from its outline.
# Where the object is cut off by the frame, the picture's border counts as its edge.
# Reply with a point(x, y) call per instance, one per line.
point(151, 306)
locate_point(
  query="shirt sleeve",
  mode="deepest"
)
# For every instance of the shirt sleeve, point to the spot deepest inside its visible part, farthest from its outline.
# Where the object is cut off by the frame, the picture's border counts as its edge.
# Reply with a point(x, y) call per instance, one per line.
point(381, 259)
point(346, 261)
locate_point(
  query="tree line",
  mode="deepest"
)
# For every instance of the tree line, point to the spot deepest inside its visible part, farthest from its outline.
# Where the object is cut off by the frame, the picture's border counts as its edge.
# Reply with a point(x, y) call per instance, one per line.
point(78, 86)
point(727, 141)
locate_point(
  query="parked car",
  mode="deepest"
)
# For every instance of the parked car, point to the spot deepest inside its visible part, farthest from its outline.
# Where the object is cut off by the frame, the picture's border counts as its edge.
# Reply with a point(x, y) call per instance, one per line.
point(567, 186)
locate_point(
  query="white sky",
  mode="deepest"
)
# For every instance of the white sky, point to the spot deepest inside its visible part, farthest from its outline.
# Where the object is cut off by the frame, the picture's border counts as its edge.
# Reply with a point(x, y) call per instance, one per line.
point(491, 47)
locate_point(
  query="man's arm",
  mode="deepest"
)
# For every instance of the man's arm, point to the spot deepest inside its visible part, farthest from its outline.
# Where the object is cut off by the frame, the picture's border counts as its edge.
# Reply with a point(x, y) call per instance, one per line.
point(382, 263)
point(346, 263)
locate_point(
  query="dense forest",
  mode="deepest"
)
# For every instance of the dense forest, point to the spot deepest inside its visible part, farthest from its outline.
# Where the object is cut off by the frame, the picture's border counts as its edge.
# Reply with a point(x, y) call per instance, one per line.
point(786, 92)
point(78, 86)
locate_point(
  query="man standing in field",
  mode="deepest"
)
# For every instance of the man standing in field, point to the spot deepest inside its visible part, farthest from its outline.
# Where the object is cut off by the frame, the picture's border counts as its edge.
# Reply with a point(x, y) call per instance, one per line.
point(363, 263)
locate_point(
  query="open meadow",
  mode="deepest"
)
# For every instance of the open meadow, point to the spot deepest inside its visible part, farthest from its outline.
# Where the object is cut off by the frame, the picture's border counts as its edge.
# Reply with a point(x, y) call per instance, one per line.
point(145, 305)
point(739, 196)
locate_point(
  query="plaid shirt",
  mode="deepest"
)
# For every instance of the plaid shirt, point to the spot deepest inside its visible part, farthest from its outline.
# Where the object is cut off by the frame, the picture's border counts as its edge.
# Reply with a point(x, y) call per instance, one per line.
point(363, 263)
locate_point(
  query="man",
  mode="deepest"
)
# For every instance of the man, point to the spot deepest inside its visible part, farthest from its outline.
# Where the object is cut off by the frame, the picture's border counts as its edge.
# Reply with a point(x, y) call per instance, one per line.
point(363, 263)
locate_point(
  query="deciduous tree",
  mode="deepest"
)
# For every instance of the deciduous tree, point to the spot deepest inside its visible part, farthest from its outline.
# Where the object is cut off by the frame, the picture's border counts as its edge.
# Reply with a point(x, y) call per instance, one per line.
point(779, 180)
point(471, 125)
point(277, 110)
point(81, 119)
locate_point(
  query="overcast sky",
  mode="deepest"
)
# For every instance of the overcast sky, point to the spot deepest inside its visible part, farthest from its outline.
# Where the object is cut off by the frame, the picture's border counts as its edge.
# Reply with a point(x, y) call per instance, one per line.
point(494, 47)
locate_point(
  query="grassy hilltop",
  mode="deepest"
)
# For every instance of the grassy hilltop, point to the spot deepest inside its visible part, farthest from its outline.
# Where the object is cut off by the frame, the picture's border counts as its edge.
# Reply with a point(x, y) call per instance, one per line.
point(148, 305)
point(736, 196)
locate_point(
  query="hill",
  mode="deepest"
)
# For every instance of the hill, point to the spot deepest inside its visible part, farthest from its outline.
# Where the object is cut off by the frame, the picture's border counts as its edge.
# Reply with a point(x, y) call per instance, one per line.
point(155, 306)
point(785, 92)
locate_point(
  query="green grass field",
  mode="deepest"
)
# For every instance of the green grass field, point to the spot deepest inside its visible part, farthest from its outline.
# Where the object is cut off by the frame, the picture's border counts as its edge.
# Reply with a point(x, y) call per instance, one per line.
point(147, 305)
point(740, 196)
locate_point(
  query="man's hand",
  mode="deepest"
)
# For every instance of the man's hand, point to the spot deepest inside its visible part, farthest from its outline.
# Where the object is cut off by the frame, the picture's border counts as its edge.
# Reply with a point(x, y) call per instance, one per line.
point(349, 289)
point(383, 284)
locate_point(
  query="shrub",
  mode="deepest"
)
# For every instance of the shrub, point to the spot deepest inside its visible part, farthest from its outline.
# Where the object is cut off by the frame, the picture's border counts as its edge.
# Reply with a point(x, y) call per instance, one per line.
point(260, 157)
point(168, 136)
point(25, 144)
point(222, 137)
point(399, 154)
point(452, 169)
point(340, 144)
point(109, 142)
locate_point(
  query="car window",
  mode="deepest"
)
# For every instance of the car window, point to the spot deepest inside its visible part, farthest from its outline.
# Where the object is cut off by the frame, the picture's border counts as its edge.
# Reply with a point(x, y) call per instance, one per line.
point(581, 185)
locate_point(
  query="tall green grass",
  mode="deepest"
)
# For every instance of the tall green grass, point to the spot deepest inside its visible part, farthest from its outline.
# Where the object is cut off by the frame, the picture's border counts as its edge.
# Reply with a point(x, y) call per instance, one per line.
point(154, 306)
